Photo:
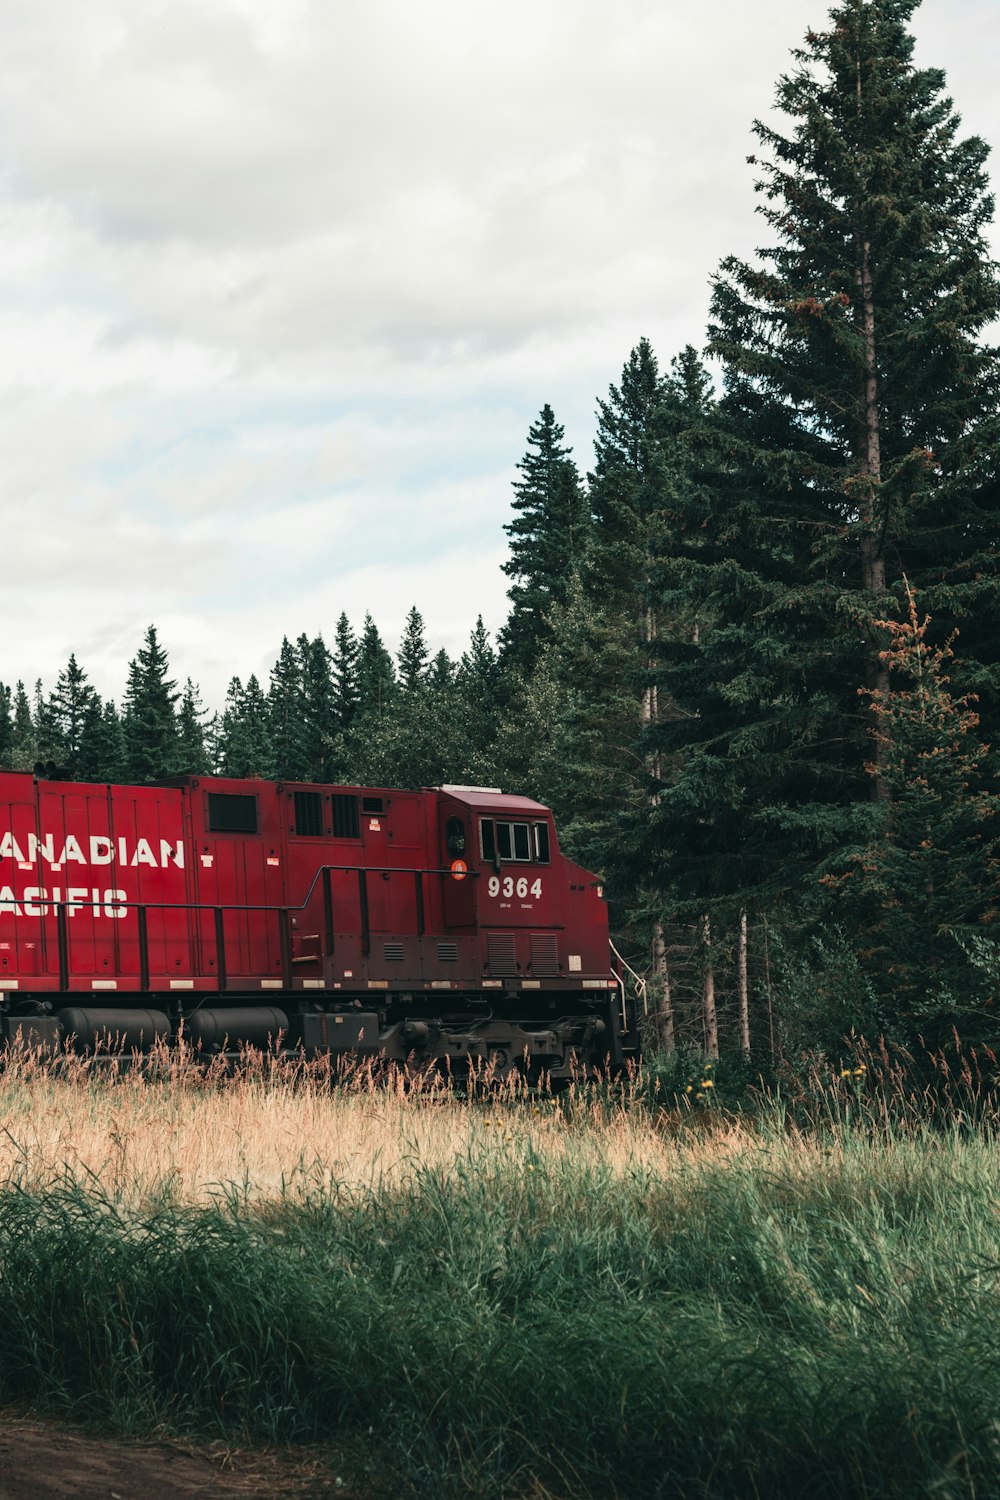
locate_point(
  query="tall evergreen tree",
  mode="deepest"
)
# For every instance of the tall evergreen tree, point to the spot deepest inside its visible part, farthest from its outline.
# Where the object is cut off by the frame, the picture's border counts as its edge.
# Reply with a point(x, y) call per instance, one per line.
point(376, 674)
point(192, 753)
point(413, 652)
point(345, 666)
point(549, 537)
point(68, 705)
point(243, 746)
point(6, 727)
point(857, 439)
point(286, 716)
point(24, 743)
point(318, 713)
point(150, 721)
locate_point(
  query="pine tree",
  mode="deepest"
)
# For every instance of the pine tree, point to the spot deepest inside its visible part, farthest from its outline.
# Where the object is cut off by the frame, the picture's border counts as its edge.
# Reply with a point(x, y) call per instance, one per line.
point(192, 753)
point(318, 713)
point(413, 653)
point(549, 537)
point(856, 439)
point(90, 760)
point(150, 722)
point(376, 674)
point(243, 746)
point(48, 739)
point(68, 705)
point(6, 727)
point(286, 716)
point(24, 744)
point(345, 668)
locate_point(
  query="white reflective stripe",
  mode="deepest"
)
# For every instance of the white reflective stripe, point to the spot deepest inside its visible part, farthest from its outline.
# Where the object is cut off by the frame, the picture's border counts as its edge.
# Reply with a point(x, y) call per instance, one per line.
point(378, 984)
point(595, 984)
point(312, 984)
point(270, 984)
point(531, 984)
point(9, 984)
point(440, 984)
point(104, 984)
point(182, 984)
point(492, 984)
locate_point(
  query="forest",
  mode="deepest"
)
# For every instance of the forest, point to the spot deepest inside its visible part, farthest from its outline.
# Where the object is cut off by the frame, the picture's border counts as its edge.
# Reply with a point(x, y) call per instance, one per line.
point(752, 653)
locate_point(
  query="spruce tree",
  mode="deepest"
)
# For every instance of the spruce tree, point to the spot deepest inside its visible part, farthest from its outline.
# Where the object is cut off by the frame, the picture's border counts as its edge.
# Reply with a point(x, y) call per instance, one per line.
point(413, 653)
point(549, 538)
point(6, 727)
point(376, 674)
point(243, 746)
point(286, 716)
point(68, 705)
point(24, 744)
point(318, 712)
point(344, 667)
point(150, 721)
point(192, 753)
point(855, 441)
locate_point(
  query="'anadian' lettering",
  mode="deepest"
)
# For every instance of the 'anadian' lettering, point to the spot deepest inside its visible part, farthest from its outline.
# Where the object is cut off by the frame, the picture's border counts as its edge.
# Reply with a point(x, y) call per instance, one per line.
point(101, 850)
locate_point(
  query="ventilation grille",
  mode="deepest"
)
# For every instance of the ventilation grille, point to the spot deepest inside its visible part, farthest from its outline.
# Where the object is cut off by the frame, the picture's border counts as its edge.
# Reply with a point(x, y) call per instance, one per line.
point(392, 953)
point(501, 955)
point(346, 824)
point(544, 953)
point(448, 953)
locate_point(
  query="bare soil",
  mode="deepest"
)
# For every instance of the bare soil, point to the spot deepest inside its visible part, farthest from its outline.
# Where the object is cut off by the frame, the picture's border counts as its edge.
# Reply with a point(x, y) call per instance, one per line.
point(45, 1460)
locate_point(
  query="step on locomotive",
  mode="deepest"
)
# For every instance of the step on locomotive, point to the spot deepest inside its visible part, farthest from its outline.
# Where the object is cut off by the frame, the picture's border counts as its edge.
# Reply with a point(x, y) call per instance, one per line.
point(435, 926)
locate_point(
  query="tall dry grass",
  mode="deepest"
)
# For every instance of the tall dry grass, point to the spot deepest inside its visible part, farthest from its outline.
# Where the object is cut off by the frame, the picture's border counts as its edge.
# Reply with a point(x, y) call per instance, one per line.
point(506, 1296)
point(273, 1128)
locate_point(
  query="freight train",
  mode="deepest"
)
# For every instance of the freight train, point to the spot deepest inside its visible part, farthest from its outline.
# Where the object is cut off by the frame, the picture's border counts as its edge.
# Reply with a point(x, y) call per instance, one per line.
point(441, 926)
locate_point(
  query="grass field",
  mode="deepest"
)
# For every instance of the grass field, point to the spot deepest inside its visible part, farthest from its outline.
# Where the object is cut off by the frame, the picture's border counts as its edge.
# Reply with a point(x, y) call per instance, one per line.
point(582, 1297)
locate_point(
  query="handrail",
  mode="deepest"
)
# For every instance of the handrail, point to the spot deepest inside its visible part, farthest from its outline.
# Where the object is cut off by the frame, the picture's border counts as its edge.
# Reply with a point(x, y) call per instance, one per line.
point(640, 983)
point(283, 913)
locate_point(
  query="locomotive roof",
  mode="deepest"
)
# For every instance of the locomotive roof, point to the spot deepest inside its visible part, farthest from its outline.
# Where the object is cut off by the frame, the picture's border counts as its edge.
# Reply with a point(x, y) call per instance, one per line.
point(486, 799)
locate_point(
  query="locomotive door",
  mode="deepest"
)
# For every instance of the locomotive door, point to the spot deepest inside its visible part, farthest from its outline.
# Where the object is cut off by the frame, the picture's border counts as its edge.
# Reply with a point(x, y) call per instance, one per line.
point(457, 856)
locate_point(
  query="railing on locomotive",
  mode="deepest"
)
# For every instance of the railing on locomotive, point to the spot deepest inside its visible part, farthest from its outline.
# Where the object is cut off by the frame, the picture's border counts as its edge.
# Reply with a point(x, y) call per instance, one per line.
point(283, 914)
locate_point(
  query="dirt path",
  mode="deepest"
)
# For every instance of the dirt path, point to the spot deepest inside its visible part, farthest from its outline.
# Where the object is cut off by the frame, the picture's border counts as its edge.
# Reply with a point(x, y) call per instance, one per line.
point(42, 1460)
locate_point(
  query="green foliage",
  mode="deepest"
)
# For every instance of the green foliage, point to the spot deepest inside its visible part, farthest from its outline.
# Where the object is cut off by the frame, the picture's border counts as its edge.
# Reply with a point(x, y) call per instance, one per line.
point(931, 875)
point(734, 1325)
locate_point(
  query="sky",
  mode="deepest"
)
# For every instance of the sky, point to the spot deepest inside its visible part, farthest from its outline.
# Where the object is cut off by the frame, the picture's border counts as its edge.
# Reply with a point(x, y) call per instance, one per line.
point(284, 283)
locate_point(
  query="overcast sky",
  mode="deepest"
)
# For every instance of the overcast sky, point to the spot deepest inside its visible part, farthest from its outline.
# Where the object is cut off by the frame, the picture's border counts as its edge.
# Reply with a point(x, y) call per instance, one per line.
point(283, 284)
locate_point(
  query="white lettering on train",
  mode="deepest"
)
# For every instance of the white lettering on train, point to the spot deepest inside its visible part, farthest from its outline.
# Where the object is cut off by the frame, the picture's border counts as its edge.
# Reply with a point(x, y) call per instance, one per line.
point(37, 900)
point(101, 851)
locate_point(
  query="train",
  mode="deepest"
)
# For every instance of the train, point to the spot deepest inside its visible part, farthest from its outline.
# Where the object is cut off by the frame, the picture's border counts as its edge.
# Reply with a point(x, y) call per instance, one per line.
point(437, 927)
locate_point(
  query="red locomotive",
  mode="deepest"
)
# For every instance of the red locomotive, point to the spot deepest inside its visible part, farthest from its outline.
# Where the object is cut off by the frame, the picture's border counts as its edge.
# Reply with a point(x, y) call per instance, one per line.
point(441, 924)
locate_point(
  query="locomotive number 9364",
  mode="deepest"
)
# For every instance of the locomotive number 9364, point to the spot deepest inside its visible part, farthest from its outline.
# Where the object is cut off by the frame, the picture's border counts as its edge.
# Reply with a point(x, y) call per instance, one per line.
point(441, 926)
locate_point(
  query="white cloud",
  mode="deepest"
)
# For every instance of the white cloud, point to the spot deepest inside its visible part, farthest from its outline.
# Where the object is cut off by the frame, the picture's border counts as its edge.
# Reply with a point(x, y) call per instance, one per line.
point(282, 286)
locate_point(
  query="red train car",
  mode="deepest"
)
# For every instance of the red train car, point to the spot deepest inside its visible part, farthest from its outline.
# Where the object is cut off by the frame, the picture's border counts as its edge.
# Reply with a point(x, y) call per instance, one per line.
point(435, 924)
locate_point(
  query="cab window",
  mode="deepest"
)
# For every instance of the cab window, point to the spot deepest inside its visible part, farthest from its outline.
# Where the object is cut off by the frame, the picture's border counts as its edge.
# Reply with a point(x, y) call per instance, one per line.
point(503, 842)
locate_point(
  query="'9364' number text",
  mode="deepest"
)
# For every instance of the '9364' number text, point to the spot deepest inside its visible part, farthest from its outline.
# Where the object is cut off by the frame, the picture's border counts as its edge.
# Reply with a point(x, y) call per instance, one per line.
point(508, 886)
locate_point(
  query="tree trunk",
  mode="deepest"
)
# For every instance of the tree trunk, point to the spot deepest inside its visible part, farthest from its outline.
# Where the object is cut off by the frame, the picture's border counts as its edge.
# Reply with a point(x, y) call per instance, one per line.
point(869, 458)
point(744, 988)
point(662, 998)
point(708, 998)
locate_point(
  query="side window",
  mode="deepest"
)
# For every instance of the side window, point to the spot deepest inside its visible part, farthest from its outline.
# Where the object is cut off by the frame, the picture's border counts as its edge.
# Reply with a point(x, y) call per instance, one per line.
point(541, 832)
point(509, 842)
point(230, 813)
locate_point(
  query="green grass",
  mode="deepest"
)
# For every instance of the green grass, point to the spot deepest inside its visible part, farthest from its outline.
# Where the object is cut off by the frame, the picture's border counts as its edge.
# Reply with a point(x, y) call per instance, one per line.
point(791, 1319)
